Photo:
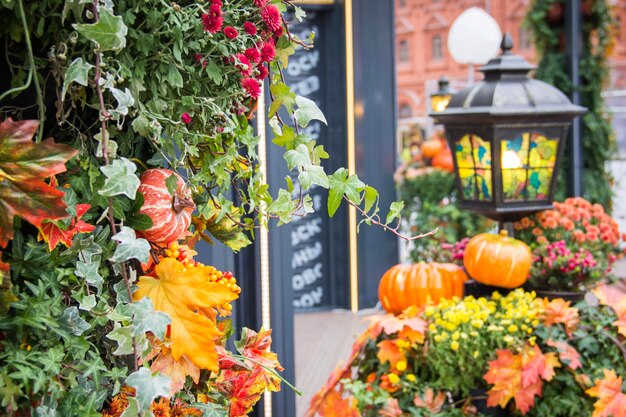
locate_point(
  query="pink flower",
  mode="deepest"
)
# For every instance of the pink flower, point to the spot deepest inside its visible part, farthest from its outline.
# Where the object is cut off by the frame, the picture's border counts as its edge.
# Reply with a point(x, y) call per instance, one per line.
point(271, 17)
point(268, 52)
point(230, 32)
point(186, 118)
point(252, 87)
point(259, 3)
point(263, 72)
point(250, 28)
point(253, 55)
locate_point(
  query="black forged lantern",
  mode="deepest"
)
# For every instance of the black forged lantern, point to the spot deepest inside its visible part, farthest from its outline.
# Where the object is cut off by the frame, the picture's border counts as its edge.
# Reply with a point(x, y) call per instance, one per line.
point(507, 134)
point(440, 99)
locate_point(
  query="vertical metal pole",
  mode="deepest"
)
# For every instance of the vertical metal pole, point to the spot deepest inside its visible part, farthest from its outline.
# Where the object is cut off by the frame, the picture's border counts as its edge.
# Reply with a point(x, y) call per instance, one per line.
point(573, 31)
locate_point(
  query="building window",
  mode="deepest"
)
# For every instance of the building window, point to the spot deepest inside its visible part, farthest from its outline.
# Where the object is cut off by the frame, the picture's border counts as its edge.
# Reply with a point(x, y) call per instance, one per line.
point(437, 48)
point(405, 111)
point(524, 39)
point(404, 51)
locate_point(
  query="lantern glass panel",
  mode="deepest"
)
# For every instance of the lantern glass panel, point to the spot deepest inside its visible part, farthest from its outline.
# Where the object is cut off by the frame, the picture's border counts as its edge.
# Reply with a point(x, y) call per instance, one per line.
point(527, 166)
point(473, 158)
point(439, 102)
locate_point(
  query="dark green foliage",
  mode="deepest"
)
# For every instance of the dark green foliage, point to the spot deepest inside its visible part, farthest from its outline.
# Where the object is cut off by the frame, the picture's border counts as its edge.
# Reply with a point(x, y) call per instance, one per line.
point(597, 137)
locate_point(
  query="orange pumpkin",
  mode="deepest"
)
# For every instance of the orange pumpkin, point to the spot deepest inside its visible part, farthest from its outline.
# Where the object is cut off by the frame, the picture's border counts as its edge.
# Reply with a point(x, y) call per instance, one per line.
point(170, 215)
point(404, 286)
point(444, 160)
point(498, 260)
point(432, 147)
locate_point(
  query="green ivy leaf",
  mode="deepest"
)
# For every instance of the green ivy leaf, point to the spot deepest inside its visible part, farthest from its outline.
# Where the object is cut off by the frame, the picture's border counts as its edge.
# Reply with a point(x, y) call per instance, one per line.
point(371, 195)
point(300, 13)
point(343, 184)
point(120, 179)
point(211, 409)
point(124, 338)
point(307, 111)
point(140, 221)
point(284, 49)
point(124, 101)
point(394, 211)
point(148, 387)
point(283, 206)
point(73, 322)
point(108, 33)
point(171, 183)
point(283, 96)
point(313, 174)
point(129, 247)
point(298, 158)
point(77, 72)
point(147, 319)
point(132, 409)
point(87, 302)
point(89, 271)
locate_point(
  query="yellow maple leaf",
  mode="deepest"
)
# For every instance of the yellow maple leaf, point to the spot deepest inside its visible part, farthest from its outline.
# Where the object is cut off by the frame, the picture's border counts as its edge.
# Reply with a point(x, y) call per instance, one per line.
point(179, 292)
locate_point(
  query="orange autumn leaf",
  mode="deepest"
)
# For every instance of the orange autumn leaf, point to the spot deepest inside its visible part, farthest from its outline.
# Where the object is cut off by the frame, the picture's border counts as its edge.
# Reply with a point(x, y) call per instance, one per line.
point(519, 377)
point(537, 365)
point(176, 290)
point(614, 296)
point(24, 165)
point(611, 401)
point(53, 234)
point(558, 311)
point(243, 389)
point(388, 351)
point(255, 347)
point(390, 324)
point(177, 370)
point(567, 353)
point(433, 403)
point(336, 405)
point(391, 409)
point(320, 397)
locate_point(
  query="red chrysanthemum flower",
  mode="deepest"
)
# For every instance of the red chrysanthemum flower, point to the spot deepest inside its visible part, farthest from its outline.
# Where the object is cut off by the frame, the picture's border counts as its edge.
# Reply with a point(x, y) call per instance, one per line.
point(186, 118)
point(263, 72)
point(216, 2)
point(230, 32)
point(253, 55)
point(252, 87)
point(243, 65)
point(268, 52)
point(278, 33)
point(259, 3)
point(212, 22)
point(271, 17)
point(250, 28)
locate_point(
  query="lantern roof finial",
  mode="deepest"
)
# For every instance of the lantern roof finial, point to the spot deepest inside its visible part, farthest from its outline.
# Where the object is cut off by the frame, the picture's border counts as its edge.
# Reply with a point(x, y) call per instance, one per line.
point(507, 43)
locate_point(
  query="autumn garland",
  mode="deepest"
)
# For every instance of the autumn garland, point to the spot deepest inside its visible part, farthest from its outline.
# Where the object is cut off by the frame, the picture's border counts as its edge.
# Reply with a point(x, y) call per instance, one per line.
point(531, 355)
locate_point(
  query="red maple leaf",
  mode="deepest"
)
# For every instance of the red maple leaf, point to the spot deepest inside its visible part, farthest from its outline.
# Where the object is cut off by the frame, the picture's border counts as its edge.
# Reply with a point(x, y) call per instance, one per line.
point(611, 401)
point(567, 353)
point(388, 351)
point(24, 165)
point(519, 377)
point(255, 347)
point(559, 311)
point(243, 389)
point(614, 296)
point(53, 233)
point(335, 405)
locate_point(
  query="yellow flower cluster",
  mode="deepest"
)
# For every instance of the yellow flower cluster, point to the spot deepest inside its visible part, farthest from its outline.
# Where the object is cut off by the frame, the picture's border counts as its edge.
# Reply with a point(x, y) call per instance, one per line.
point(457, 322)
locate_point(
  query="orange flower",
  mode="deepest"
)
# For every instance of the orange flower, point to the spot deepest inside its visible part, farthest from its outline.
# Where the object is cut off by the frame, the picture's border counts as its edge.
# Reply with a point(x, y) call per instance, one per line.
point(537, 231)
point(592, 236)
point(579, 235)
point(566, 223)
point(161, 409)
point(525, 222)
point(593, 229)
point(551, 223)
point(542, 240)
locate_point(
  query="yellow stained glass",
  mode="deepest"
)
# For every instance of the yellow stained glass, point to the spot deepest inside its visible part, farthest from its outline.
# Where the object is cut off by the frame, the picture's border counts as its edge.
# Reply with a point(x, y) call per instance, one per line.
point(473, 157)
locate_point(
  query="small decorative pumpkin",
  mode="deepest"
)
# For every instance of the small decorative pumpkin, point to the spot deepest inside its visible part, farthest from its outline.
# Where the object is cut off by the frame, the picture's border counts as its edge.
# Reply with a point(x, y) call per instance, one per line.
point(403, 286)
point(432, 147)
point(170, 214)
point(444, 160)
point(498, 260)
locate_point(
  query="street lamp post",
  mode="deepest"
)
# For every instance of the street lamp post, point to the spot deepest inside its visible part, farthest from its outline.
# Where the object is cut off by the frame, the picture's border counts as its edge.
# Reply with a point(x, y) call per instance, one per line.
point(507, 136)
point(440, 99)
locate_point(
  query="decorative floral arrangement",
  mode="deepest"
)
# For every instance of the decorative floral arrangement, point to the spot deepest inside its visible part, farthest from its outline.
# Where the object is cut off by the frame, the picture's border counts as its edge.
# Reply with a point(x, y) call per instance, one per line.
point(471, 357)
point(574, 245)
point(106, 309)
